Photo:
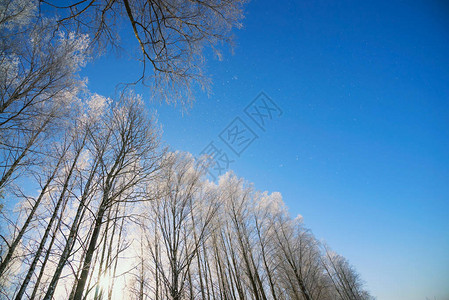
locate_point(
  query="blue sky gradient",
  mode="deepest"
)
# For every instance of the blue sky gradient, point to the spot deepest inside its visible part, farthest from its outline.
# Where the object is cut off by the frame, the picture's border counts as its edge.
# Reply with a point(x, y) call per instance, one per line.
point(361, 149)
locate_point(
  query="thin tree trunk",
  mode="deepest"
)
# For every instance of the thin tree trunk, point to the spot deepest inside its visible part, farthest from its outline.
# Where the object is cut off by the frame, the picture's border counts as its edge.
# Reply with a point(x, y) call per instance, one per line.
point(72, 235)
point(116, 259)
point(47, 255)
point(11, 249)
point(6, 176)
point(89, 253)
point(48, 229)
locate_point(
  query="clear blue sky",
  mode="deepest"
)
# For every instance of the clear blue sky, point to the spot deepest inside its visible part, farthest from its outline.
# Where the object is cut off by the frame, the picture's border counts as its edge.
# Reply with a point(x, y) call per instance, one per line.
point(361, 149)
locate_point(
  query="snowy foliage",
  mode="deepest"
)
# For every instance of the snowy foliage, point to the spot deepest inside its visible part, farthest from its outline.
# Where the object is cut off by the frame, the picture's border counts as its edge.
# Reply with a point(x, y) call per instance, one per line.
point(16, 13)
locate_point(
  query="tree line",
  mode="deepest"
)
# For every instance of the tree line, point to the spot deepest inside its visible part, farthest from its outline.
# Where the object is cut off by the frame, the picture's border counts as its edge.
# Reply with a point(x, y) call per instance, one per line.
point(95, 206)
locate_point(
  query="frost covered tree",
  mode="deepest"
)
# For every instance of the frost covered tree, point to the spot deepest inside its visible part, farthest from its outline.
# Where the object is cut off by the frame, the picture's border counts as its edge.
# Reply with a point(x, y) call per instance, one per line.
point(171, 34)
point(41, 216)
point(38, 84)
point(345, 280)
point(41, 53)
point(128, 150)
point(39, 89)
point(176, 226)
